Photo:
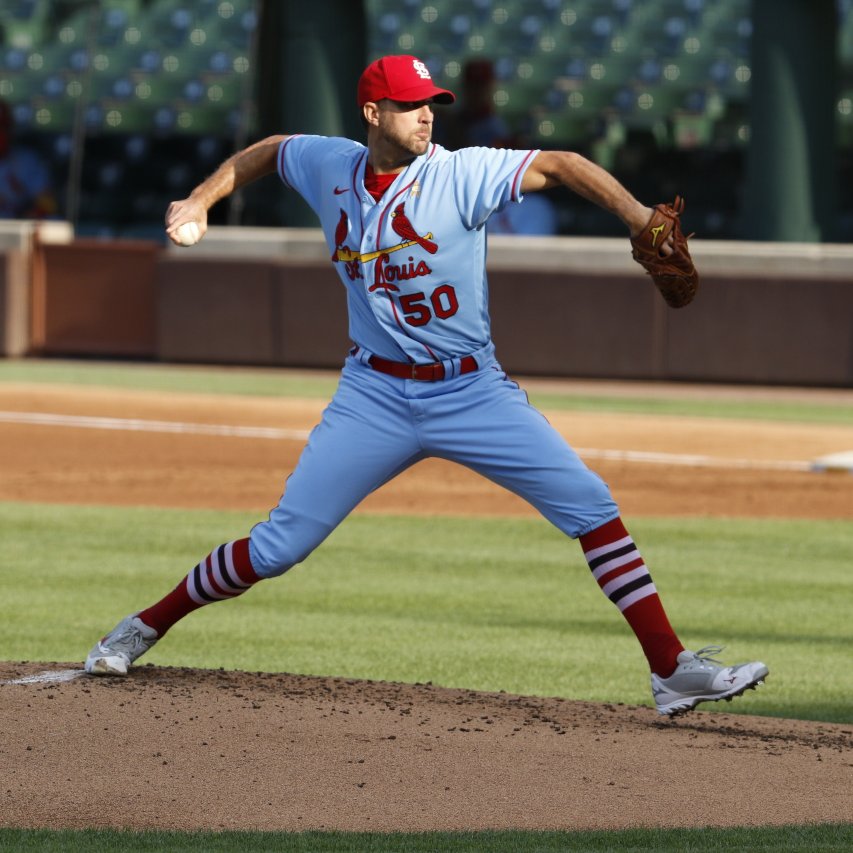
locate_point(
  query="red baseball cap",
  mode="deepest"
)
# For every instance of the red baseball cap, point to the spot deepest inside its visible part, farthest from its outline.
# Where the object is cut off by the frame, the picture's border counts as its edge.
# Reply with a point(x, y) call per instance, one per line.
point(400, 78)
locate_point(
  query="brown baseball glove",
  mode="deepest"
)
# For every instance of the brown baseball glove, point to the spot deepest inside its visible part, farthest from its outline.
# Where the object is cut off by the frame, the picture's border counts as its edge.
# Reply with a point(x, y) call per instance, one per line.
point(674, 275)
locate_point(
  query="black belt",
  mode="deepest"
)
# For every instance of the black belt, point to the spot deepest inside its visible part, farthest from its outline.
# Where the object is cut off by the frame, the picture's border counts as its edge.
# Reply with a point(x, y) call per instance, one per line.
point(433, 372)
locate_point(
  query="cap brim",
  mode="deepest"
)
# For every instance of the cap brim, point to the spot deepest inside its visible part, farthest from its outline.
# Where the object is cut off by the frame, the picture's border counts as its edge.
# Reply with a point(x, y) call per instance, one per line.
point(424, 93)
point(444, 97)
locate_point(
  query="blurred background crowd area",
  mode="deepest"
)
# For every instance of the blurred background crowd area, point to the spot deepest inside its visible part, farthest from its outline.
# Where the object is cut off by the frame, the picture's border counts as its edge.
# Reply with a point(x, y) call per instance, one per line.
point(126, 104)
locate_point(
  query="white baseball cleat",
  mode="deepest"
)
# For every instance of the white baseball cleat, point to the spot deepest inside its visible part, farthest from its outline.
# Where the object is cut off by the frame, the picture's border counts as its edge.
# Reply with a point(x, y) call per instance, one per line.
point(113, 654)
point(700, 678)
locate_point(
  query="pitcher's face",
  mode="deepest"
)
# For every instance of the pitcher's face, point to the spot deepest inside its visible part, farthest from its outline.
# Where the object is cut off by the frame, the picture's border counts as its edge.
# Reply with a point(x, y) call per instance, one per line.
point(403, 129)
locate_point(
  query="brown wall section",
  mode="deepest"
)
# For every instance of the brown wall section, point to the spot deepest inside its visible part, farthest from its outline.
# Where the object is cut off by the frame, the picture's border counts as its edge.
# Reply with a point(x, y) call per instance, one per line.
point(95, 298)
point(577, 325)
point(216, 312)
point(792, 331)
point(739, 330)
point(250, 312)
point(312, 315)
point(135, 299)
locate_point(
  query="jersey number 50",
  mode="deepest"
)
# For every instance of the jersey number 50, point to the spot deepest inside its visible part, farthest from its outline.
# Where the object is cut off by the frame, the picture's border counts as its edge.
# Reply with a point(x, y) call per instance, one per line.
point(442, 304)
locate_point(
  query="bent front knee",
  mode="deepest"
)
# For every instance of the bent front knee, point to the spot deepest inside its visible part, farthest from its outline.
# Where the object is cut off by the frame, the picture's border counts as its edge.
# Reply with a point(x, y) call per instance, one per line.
point(274, 548)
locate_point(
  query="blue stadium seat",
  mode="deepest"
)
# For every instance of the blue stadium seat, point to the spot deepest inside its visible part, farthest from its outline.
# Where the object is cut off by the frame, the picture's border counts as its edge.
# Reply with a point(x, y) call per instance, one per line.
point(585, 98)
point(25, 23)
point(561, 129)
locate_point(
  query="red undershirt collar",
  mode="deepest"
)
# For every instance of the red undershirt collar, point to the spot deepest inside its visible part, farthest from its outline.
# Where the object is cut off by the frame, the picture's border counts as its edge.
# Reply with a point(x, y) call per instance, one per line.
point(377, 184)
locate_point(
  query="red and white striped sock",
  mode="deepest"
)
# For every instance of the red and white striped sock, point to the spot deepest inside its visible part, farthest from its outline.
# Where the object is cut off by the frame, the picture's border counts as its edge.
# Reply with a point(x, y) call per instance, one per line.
point(617, 566)
point(225, 573)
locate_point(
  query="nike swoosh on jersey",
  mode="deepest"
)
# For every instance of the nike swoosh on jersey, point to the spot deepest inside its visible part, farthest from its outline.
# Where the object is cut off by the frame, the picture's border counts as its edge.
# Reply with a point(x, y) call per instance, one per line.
point(338, 190)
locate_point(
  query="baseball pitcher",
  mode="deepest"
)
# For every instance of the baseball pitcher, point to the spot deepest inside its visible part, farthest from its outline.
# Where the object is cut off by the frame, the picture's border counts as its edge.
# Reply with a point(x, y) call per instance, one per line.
point(405, 220)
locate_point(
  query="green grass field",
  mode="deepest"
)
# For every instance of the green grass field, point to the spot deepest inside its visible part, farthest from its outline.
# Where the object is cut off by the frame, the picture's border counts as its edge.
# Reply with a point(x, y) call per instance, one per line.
point(491, 604)
point(807, 839)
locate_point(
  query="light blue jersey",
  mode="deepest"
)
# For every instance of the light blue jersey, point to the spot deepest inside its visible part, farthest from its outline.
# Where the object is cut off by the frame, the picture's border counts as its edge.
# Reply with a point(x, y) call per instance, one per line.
point(414, 263)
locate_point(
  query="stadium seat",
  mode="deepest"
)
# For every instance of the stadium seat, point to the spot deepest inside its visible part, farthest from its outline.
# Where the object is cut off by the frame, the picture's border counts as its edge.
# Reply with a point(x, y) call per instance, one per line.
point(28, 28)
point(558, 130)
point(20, 87)
point(51, 115)
point(587, 98)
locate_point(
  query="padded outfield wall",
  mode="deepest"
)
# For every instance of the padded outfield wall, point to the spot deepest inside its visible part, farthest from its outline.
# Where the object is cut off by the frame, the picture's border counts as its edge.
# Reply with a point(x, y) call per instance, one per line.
point(777, 313)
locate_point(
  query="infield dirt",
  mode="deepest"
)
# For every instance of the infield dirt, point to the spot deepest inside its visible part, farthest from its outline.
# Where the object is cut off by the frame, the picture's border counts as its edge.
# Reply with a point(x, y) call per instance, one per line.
point(175, 748)
point(63, 464)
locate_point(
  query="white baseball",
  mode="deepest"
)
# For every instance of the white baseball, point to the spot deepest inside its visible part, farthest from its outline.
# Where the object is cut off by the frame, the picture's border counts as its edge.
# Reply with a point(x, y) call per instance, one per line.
point(188, 234)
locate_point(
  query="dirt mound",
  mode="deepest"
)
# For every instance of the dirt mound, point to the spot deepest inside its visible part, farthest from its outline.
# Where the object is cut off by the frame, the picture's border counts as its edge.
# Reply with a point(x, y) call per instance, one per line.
point(175, 748)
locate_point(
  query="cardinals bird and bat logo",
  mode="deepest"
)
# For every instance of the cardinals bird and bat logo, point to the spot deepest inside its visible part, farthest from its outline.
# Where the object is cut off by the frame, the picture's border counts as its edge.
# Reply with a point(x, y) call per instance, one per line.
point(386, 272)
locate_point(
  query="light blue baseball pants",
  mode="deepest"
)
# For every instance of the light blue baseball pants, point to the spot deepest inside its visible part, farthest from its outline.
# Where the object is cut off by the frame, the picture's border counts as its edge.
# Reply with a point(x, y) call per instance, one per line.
point(376, 426)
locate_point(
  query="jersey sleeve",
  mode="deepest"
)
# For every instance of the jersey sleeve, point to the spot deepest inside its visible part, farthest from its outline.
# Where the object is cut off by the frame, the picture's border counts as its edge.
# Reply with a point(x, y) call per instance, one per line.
point(303, 160)
point(486, 180)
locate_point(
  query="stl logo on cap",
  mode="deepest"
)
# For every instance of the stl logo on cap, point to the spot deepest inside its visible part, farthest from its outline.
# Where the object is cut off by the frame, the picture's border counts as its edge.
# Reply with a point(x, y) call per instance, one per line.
point(421, 70)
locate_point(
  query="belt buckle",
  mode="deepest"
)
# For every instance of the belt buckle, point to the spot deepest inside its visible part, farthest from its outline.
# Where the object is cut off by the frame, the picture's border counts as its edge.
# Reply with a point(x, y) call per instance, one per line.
point(426, 372)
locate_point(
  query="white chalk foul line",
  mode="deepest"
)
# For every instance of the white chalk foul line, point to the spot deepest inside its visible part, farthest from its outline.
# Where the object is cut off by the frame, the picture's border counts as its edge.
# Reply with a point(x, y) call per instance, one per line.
point(49, 676)
point(693, 460)
point(140, 425)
